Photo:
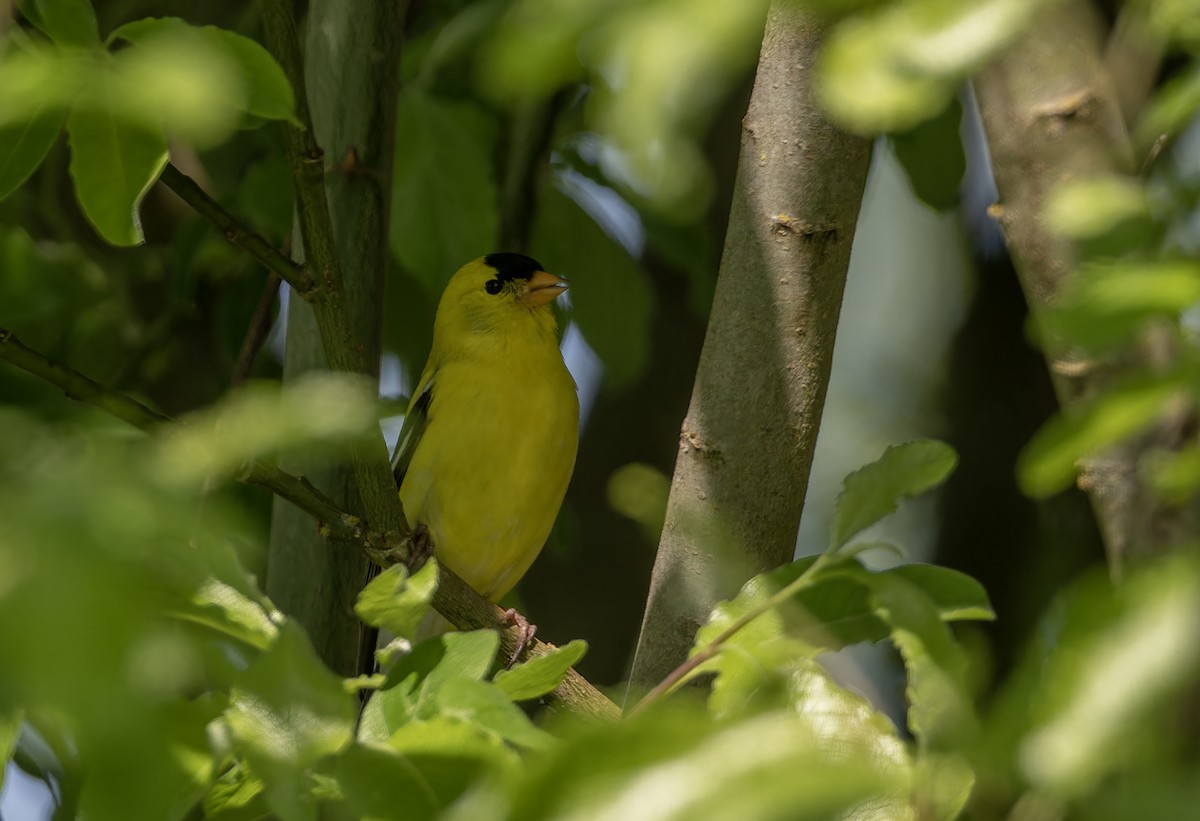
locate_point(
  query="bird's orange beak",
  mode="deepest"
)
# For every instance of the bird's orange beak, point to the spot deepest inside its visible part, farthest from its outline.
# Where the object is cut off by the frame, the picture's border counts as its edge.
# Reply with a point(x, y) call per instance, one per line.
point(542, 289)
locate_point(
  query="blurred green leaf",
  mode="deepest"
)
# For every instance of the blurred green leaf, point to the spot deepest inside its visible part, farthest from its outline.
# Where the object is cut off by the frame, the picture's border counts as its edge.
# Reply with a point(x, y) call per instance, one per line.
point(1048, 463)
point(540, 674)
point(487, 706)
point(671, 766)
point(1092, 207)
point(1104, 304)
point(113, 164)
point(873, 491)
point(262, 88)
point(890, 69)
point(379, 784)
point(236, 796)
point(933, 159)
point(263, 419)
point(286, 712)
point(224, 608)
point(24, 144)
point(445, 204)
point(396, 602)
point(452, 755)
point(66, 22)
point(1170, 109)
point(639, 492)
point(1175, 475)
point(610, 298)
point(1122, 653)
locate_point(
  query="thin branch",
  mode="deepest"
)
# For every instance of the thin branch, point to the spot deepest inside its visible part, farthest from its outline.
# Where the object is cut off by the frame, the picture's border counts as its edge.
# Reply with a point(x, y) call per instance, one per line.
point(713, 647)
point(257, 331)
point(238, 234)
point(305, 158)
point(454, 599)
point(76, 385)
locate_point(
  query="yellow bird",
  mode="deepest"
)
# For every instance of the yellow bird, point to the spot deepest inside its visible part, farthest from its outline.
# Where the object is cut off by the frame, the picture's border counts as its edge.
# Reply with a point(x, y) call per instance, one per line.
point(489, 440)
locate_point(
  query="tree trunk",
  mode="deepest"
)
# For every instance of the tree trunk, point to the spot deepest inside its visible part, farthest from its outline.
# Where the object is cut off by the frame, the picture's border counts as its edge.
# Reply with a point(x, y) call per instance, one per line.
point(747, 442)
point(352, 62)
point(1052, 115)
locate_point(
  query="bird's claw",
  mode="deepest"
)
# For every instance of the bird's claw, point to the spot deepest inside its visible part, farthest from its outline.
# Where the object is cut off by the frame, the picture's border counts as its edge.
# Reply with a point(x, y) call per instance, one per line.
point(525, 633)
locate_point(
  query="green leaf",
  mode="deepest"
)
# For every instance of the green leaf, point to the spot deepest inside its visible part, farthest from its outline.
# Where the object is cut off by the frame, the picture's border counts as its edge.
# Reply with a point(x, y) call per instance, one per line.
point(412, 684)
point(540, 674)
point(887, 70)
point(872, 492)
point(940, 713)
point(957, 596)
point(1103, 306)
point(1085, 208)
point(236, 796)
point(444, 198)
point(452, 755)
point(1171, 109)
point(24, 144)
point(287, 711)
point(933, 159)
point(1048, 463)
point(113, 163)
point(265, 90)
point(605, 283)
point(66, 22)
point(1121, 656)
point(486, 706)
point(677, 766)
point(379, 784)
point(222, 607)
point(397, 603)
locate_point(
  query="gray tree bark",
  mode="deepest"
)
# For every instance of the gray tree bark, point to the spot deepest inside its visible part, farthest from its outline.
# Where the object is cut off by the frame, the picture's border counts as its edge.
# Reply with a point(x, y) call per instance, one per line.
point(746, 446)
point(352, 60)
point(1053, 114)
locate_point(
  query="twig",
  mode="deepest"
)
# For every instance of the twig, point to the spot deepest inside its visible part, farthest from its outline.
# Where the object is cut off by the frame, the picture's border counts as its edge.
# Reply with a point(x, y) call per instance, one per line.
point(256, 333)
point(76, 385)
point(454, 599)
point(713, 647)
point(238, 234)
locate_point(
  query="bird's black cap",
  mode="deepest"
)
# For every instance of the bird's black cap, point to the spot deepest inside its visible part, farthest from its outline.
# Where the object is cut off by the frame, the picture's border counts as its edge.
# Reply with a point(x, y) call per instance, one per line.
point(513, 266)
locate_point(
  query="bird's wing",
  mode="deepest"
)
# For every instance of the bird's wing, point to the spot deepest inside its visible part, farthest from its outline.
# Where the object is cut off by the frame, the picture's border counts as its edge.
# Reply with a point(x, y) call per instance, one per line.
point(414, 425)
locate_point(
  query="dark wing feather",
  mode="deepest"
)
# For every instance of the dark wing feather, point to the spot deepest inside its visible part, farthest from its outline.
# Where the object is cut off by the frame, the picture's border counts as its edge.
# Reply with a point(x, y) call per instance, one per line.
point(410, 432)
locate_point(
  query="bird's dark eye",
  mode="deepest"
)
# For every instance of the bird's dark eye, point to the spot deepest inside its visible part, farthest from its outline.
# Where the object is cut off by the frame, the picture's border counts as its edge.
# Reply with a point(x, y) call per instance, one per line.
point(493, 286)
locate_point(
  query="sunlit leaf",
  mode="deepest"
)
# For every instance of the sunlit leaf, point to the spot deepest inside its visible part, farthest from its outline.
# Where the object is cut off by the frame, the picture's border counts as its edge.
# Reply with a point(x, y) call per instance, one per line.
point(378, 784)
point(541, 673)
point(1048, 463)
point(873, 491)
point(487, 706)
point(10, 731)
point(1092, 207)
point(1127, 651)
point(396, 602)
point(259, 420)
point(288, 711)
point(236, 796)
point(957, 596)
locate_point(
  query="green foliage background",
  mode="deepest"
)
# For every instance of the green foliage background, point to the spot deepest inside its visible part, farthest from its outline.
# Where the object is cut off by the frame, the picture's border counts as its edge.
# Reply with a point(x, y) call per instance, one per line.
point(143, 674)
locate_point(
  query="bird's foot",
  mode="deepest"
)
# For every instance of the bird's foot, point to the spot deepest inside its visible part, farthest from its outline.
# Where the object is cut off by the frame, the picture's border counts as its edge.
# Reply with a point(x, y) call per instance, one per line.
point(525, 633)
point(422, 548)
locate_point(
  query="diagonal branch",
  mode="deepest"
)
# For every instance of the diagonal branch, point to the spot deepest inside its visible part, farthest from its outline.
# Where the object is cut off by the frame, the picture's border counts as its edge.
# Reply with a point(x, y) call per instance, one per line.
point(238, 234)
point(454, 599)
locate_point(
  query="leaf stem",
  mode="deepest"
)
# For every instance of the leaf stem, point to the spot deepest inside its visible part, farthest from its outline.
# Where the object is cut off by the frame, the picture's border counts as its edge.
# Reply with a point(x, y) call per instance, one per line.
point(676, 676)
